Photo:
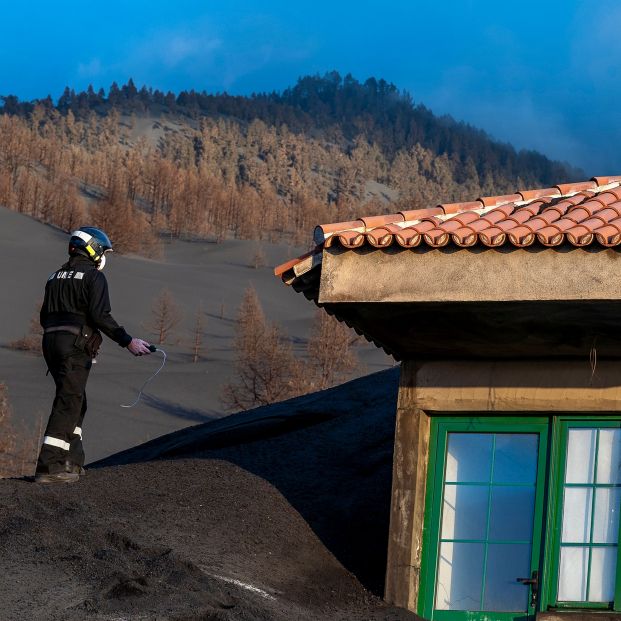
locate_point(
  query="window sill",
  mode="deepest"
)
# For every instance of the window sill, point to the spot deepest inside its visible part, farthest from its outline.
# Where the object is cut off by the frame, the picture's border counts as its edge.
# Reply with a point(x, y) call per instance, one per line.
point(579, 615)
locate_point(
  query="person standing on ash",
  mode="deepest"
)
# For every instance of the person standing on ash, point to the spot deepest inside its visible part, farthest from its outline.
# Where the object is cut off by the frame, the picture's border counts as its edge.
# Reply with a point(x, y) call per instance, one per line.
point(75, 310)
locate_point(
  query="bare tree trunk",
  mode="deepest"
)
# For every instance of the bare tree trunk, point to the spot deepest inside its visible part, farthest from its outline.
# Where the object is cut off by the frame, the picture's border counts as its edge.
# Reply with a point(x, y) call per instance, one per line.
point(199, 327)
point(166, 314)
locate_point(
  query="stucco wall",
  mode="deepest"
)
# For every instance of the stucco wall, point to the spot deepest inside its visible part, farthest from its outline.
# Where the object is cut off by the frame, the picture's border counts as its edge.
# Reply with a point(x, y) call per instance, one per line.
point(478, 274)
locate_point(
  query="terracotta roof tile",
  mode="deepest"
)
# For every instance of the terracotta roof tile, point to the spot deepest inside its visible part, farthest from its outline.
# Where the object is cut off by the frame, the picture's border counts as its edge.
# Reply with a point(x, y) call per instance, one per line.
point(464, 237)
point(417, 214)
point(408, 238)
point(496, 201)
point(279, 270)
point(381, 236)
point(458, 207)
point(528, 195)
point(373, 221)
point(436, 238)
point(615, 191)
point(577, 213)
point(464, 218)
point(322, 231)
point(610, 235)
point(606, 180)
point(493, 237)
point(569, 188)
point(495, 215)
point(349, 239)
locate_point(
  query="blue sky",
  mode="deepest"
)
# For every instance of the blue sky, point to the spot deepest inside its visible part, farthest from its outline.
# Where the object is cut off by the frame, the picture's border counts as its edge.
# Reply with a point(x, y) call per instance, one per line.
point(543, 75)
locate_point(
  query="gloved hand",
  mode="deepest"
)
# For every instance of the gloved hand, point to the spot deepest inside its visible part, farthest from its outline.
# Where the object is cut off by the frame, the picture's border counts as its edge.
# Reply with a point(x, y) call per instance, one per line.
point(138, 347)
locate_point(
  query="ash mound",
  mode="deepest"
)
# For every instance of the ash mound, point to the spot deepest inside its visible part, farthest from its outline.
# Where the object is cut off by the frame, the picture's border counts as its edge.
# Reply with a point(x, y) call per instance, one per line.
point(279, 513)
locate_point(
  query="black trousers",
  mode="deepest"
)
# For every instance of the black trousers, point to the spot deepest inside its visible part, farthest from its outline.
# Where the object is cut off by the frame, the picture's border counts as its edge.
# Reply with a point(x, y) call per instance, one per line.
point(69, 366)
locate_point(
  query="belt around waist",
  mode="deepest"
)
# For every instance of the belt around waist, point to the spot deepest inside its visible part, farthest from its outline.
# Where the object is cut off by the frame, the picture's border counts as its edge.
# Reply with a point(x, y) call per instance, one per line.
point(73, 329)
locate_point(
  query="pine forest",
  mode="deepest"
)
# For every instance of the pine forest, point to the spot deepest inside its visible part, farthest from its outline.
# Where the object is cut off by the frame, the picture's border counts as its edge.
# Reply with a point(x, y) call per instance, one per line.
point(143, 164)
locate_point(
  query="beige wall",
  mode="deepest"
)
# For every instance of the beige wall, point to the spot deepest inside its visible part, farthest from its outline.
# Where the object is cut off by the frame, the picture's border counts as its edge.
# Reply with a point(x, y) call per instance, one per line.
point(480, 274)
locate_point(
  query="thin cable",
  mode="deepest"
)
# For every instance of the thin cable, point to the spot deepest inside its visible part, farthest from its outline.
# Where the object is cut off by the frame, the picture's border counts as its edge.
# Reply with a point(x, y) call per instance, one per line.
point(593, 362)
point(148, 380)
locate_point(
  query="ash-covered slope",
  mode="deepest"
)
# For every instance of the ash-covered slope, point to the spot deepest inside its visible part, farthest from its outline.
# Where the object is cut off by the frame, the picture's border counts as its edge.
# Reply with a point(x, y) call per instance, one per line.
point(196, 273)
point(279, 513)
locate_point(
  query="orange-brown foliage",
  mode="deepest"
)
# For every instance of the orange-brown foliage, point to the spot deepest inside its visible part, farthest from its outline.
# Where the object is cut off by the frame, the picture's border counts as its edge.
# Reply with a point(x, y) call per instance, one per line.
point(222, 178)
point(266, 369)
point(165, 316)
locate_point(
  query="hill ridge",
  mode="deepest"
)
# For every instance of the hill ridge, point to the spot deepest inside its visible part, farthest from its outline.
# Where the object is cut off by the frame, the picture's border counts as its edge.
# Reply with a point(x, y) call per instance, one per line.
point(375, 109)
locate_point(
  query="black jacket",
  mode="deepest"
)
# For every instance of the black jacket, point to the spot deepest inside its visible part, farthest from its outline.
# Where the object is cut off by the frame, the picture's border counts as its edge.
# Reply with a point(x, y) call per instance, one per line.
point(77, 295)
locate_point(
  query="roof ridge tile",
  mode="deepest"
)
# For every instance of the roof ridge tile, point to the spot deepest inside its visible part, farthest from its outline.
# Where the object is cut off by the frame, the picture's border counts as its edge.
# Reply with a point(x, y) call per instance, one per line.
point(453, 208)
point(574, 188)
point(528, 195)
point(413, 214)
point(371, 222)
point(606, 180)
point(497, 201)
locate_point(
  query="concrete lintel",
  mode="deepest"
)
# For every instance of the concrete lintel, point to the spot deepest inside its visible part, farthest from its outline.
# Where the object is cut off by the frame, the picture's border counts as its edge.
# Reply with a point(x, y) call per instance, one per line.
point(519, 386)
point(467, 275)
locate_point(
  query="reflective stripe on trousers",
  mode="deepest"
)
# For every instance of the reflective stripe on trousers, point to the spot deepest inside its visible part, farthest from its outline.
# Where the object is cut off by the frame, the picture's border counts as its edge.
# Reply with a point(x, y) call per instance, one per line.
point(50, 441)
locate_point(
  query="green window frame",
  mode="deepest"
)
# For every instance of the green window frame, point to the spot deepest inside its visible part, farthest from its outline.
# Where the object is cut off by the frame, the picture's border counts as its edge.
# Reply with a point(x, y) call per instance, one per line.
point(557, 493)
point(551, 488)
point(441, 427)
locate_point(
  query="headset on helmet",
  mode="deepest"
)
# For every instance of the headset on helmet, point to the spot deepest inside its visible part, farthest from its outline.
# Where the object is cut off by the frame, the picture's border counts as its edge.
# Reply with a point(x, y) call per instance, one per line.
point(91, 242)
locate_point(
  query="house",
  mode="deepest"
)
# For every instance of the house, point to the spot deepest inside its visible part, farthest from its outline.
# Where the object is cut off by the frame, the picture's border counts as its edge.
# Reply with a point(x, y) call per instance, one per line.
point(505, 314)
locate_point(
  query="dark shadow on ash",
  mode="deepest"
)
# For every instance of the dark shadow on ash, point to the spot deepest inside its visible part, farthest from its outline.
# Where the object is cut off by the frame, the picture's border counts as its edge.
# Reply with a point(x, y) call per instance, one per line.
point(328, 453)
point(221, 318)
point(212, 336)
point(298, 340)
point(174, 409)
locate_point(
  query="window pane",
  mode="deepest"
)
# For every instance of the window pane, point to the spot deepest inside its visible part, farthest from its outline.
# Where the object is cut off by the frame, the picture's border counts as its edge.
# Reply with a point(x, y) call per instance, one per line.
point(505, 564)
point(512, 513)
point(464, 511)
point(577, 515)
point(460, 576)
point(602, 583)
point(580, 456)
point(606, 518)
point(573, 574)
point(469, 457)
point(609, 456)
point(515, 458)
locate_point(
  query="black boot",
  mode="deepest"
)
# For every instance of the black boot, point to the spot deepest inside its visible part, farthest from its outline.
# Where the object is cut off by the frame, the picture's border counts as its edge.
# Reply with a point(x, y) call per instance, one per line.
point(67, 473)
point(57, 477)
point(73, 467)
